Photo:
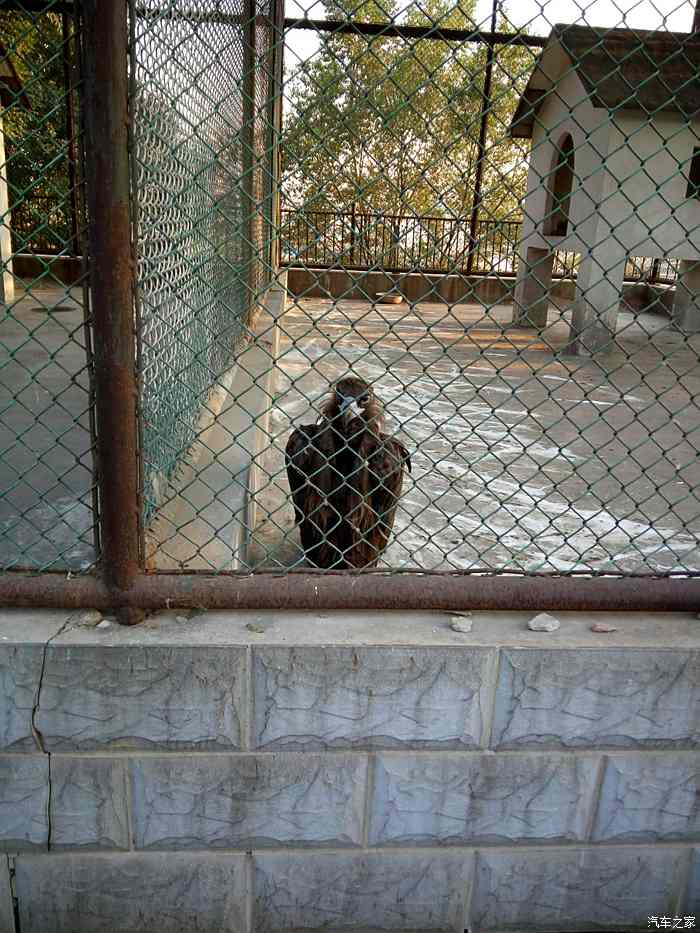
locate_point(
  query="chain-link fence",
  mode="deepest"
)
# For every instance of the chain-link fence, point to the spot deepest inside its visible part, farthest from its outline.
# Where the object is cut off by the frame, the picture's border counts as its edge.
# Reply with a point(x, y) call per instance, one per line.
point(415, 289)
point(439, 178)
point(47, 486)
point(200, 144)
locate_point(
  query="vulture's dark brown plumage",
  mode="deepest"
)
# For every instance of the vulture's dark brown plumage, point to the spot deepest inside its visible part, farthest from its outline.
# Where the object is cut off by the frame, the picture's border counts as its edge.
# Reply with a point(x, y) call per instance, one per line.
point(345, 475)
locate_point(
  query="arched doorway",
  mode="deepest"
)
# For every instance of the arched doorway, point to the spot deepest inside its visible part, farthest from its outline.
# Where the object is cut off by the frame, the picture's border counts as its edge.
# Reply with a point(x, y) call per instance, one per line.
point(559, 185)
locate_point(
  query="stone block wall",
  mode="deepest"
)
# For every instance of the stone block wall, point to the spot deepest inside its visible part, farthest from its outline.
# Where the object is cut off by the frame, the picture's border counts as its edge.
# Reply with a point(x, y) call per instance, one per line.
point(280, 772)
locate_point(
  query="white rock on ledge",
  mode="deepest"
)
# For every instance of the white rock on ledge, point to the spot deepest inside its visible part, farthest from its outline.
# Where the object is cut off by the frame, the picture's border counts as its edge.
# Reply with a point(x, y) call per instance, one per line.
point(461, 624)
point(543, 623)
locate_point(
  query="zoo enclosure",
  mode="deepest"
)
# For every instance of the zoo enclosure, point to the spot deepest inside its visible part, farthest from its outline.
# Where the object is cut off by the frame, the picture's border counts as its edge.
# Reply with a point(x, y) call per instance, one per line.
point(124, 582)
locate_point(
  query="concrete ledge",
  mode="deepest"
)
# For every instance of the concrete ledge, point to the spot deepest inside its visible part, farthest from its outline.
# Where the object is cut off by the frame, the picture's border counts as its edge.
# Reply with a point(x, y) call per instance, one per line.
point(487, 290)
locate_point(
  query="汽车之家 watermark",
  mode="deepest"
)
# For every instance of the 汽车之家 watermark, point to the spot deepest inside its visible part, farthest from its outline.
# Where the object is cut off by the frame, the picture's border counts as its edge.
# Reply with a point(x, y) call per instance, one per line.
point(671, 923)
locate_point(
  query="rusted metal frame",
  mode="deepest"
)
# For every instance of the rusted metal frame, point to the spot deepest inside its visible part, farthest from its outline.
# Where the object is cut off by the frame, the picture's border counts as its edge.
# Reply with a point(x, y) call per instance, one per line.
point(111, 270)
point(354, 592)
point(399, 31)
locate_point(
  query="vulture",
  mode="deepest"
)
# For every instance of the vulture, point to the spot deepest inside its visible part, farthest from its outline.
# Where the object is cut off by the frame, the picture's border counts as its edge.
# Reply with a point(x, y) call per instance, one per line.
point(345, 477)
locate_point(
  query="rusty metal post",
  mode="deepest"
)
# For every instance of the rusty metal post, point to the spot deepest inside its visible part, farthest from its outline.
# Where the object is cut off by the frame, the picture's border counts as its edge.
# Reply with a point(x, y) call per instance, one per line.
point(696, 18)
point(105, 47)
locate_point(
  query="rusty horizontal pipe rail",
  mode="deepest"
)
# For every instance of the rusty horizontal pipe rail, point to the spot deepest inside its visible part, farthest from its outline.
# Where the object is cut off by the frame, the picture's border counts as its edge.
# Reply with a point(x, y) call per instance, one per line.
point(309, 591)
point(399, 31)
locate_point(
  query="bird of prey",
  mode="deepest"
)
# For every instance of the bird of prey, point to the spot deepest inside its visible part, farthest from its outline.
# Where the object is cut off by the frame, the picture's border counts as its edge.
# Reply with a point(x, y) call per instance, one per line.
point(345, 475)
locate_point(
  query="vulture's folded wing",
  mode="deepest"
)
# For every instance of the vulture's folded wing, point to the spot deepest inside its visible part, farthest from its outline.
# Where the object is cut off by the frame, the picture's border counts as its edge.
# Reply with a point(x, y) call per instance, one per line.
point(300, 459)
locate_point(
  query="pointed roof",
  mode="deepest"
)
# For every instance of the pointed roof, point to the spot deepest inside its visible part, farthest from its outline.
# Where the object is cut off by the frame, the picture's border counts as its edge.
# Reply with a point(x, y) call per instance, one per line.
point(629, 69)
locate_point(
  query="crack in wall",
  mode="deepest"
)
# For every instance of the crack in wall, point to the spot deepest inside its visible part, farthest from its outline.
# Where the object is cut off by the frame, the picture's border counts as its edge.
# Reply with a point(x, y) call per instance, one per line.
point(13, 893)
point(36, 732)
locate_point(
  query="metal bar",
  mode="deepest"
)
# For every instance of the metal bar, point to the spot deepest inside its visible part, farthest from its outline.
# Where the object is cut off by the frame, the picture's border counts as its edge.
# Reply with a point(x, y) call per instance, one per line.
point(481, 144)
point(396, 30)
point(248, 149)
point(37, 6)
point(277, 117)
point(353, 591)
point(216, 17)
point(105, 43)
point(68, 37)
point(353, 222)
point(696, 18)
point(83, 255)
point(134, 182)
point(363, 267)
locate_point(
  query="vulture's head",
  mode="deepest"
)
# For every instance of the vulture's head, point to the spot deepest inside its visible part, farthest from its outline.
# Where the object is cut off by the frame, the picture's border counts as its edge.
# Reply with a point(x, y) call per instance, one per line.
point(351, 398)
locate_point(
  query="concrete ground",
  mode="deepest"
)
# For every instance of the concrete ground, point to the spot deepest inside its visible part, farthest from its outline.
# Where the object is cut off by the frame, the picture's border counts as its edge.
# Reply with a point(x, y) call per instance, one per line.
point(524, 458)
point(45, 447)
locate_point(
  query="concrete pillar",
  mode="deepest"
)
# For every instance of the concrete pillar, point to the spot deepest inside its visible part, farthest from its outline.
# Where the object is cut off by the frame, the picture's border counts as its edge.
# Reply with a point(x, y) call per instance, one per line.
point(531, 300)
point(686, 303)
point(598, 295)
point(7, 279)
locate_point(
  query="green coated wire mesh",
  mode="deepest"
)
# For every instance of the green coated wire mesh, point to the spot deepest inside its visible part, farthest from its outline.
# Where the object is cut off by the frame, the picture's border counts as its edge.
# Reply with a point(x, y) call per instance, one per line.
point(499, 242)
point(47, 487)
point(418, 288)
point(197, 178)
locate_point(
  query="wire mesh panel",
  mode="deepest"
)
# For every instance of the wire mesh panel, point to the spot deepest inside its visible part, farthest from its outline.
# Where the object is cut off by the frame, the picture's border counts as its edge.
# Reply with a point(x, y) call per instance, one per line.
point(47, 489)
point(200, 237)
point(479, 350)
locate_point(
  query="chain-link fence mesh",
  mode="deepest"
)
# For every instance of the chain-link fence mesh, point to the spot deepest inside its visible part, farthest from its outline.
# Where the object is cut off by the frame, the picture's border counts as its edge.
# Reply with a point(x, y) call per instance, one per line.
point(418, 287)
point(47, 488)
point(482, 353)
point(197, 153)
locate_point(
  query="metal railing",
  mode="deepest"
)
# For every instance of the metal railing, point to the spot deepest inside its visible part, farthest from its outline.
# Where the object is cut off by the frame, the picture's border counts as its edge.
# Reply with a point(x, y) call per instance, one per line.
point(41, 224)
point(432, 245)
point(396, 243)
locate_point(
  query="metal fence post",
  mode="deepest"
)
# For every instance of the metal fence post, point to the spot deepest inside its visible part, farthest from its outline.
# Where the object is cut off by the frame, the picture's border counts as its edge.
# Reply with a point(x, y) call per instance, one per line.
point(248, 154)
point(68, 50)
point(353, 221)
point(275, 134)
point(481, 145)
point(105, 47)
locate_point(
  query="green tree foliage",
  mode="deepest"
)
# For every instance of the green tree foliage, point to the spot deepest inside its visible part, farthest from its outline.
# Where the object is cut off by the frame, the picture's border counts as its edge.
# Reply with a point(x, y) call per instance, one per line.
point(36, 138)
point(392, 125)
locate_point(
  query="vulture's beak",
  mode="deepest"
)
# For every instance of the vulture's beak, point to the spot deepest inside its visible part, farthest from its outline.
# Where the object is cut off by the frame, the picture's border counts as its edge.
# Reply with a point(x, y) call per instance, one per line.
point(350, 408)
